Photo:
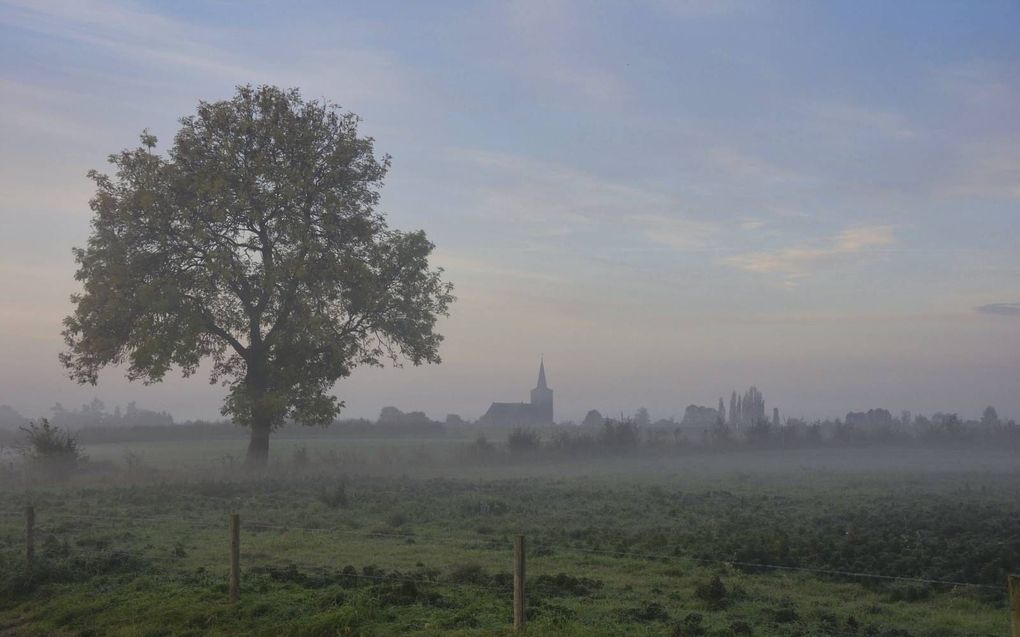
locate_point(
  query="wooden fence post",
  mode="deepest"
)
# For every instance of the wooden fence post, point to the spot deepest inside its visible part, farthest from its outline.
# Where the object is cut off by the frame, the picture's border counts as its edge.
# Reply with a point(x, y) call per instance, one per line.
point(519, 582)
point(235, 557)
point(1014, 604)
point(29, 537)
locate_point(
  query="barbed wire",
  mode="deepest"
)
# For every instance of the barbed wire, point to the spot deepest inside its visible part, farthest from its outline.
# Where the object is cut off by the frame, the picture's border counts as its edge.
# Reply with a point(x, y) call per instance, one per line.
point(746, 564)
point(483, 544)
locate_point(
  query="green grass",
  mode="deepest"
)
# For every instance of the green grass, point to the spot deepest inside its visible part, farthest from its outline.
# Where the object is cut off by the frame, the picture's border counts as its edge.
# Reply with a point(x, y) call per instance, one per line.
point(616, 546)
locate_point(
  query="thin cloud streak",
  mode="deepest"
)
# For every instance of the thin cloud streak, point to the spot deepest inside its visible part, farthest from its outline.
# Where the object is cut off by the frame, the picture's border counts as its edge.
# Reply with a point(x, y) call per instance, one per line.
point(999, 309)
point(799, 262)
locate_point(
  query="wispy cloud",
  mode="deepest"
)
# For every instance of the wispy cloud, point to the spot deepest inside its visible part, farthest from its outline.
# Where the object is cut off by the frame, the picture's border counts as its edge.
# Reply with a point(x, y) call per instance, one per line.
point(133, 32)
point(999, 309)
point(798, 262)
point(556, 199)
point(741, 165)
point(223, 56)
point(459, 265)
point(678, 233)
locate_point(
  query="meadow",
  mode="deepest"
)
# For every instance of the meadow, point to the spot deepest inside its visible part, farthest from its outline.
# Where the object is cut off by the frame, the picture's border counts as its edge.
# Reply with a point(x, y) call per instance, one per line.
point(363, 536)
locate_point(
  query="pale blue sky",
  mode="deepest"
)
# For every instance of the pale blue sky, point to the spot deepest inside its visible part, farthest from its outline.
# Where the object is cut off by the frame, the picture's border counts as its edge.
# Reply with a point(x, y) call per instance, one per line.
point(669, 199)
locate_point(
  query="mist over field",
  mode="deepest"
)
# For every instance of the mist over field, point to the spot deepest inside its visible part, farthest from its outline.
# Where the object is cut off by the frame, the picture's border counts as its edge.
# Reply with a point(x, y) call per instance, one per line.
point(692, 318)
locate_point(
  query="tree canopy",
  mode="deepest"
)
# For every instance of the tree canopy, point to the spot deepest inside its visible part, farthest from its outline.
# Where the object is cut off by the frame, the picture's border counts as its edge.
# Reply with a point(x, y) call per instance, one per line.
point(255, 244)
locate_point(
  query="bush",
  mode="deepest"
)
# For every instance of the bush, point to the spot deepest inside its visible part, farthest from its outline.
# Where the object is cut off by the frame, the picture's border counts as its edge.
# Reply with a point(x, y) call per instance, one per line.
point(566, 441)
point(623, 434)
point(51, 449)
point(690, 627)
point(650, 612)
point(482, 447)
point(523, 440)
point(713, 593)
point(469, 573)
point(562, 585)
point(334, 497)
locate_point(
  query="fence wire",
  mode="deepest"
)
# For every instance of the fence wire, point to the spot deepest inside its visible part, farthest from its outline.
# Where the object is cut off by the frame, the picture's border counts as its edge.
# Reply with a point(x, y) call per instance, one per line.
point(490, 544)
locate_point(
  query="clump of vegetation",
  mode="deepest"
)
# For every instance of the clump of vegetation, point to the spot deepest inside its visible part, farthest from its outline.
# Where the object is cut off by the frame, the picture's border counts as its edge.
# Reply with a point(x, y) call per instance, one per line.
point(785, 614)
point(646, 613)
point(469, 573)
point(523, 440)
point(562, 585)
point(909, 593)
point(335, 496)
point(713, 593)
point(623, 434)
point(51, 449)
point(482, 447)
point(570, 442)
point(690, 626)
point(396, 520)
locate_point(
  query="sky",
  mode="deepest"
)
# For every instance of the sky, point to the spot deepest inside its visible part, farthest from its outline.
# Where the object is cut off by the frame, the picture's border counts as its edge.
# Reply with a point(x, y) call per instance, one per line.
point(668, 200)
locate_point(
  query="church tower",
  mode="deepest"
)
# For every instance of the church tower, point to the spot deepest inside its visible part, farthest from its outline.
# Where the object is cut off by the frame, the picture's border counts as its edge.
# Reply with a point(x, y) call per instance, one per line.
point(542, 398)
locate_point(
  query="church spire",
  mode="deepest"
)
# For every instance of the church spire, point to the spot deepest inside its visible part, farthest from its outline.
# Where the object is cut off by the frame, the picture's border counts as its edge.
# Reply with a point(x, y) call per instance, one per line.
point(541, 375)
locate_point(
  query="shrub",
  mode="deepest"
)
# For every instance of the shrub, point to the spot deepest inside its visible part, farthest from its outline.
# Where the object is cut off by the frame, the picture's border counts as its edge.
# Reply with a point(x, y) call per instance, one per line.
point(523, 440)
point(650, 612)
point(713, 593)
point(689, 627)
point(51, 449)
point(469, 573)
point(562, 585)
point(566, 441)
point(623, 434)
point(334, 497)
point(741, 628)
point(482, 447)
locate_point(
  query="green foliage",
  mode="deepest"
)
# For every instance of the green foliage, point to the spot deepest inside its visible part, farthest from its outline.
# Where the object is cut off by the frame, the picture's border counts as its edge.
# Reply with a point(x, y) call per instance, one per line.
point(482, 448)
point(713, 593)
point(254, 244)
point(523, 440)
point(51, 450)
point(649, 612)
point(613, 553)
point(690, 626)
point(622, 434)
point(569, 441)
point(335, 496)
point(563, 584)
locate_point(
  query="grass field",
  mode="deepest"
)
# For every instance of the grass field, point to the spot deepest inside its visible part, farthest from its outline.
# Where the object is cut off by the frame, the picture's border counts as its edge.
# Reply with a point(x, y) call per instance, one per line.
point(414, 537)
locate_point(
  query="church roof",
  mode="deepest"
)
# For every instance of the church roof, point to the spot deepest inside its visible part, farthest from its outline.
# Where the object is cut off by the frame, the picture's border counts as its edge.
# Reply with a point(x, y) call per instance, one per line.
point(541, 376)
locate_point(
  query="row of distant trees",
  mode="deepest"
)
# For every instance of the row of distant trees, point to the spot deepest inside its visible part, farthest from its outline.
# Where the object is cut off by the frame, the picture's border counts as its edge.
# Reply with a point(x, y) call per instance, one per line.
point(91, 414)
point(873, 423)
point(612, 435)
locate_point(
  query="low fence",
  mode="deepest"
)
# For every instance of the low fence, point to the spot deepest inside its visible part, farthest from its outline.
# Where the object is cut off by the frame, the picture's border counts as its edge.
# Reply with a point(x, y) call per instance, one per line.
point(518, 564)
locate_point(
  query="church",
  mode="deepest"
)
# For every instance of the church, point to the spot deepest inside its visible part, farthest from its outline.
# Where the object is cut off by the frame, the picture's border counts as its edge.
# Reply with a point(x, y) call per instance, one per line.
point(538, 412)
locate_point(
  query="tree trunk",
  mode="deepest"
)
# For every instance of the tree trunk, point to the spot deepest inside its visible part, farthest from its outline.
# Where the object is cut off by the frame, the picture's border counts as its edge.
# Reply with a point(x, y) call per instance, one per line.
point(261, 419)
point(258, 445)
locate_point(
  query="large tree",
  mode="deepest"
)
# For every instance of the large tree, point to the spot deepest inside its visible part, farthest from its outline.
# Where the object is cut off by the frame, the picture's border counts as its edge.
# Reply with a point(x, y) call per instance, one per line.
point(255, 244)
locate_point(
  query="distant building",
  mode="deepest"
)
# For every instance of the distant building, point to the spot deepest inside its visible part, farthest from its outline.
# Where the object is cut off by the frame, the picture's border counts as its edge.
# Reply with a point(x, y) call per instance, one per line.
point(538, 412)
